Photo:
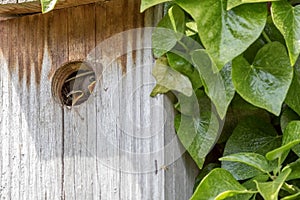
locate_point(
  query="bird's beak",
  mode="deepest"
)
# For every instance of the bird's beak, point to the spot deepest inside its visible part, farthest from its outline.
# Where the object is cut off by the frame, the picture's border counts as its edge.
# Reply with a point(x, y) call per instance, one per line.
point(91, 86)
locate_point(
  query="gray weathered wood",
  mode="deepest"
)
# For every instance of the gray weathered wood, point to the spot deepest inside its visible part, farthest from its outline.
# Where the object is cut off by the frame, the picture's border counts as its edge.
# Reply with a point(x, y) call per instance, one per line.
point(110, 146)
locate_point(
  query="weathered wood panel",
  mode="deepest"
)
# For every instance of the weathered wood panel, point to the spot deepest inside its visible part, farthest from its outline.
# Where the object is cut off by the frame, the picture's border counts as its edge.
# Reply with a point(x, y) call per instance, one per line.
point(12, 7)
point(110, 147)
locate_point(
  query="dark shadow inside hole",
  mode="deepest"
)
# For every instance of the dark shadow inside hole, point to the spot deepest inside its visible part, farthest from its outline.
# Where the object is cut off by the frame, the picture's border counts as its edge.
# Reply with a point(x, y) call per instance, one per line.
point(73, 83)
point(77, 87)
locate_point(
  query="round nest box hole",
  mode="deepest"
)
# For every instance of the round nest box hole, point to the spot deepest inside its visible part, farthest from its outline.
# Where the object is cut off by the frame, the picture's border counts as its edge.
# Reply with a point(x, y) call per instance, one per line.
point(73, 83)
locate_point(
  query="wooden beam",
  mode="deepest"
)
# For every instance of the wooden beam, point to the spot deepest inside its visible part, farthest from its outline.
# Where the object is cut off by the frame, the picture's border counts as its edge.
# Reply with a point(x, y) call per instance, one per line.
point(9, 8)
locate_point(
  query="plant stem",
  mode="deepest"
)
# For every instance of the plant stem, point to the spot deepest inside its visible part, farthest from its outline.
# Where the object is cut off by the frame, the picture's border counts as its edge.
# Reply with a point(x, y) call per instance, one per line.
point(290, 188)
point(266, 37)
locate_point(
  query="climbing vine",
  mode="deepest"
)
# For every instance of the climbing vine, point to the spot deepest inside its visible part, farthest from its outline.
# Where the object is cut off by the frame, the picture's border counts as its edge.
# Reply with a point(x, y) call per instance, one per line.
point(234, 67)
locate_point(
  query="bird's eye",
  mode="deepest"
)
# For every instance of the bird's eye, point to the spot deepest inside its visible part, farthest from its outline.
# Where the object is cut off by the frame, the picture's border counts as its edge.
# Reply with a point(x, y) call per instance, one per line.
point(92, 79)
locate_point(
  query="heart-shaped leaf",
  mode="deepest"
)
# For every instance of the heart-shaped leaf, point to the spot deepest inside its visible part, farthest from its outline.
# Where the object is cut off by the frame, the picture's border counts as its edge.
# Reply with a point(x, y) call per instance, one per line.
point(145, 4)
point(197, 134)
point(266, 81)
point(168, 31)
point(226, 34)
point(270, 190)
point(218, 86)
point(234, 3)
point(168, 79)
point(291, 137)
point(287, 20)
point(220, 184)
point(250, 135)
point(252, 159)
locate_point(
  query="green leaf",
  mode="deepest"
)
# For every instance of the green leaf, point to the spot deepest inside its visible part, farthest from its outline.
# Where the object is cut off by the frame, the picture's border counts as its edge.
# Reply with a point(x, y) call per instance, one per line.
point(158, 89)
point(270, 190)
point(286, 117)
point(272, 32)
point(220, 184)
point(48, 5)
point(252, 159)
point(226, 34)
point(250, 135)
point(183, 66)
point(292, 197)
point(287, 20)
point(168, 31)
point(197, 134)
point(295, 167)
point(234, 3)
point(191, 106)
point(218, 86)
point(235, 195)
point(251, 52)
point(266, 81)
point(293, 97)
point(169, 79)
point(291, 137)
point(206, 170)
point(191, 28)
point(145, 4)
point(238, 110)
point(250, 184)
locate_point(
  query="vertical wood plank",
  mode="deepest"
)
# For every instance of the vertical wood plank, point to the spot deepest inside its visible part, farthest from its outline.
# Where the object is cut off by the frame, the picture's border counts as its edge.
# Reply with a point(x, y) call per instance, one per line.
point(29, 144)
point(5, 167)
point(2, 63)
point(92, 151)
point(79, 122)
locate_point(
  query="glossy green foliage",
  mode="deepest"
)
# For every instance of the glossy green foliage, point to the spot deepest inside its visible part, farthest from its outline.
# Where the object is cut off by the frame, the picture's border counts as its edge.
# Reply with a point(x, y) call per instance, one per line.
point(291, 137)
point(168, 31)
point(198, 134)
point(266, 81)
point(169, 79)
point(234, 69)
point(251, 135)
point(270, 190)
point(181, 65)
point(254, 160)
point(295, 167)
point(218, 85)
point(230, 32)
point(233, 3)
point(293, 97)
point(287, 20)
point(226, 187)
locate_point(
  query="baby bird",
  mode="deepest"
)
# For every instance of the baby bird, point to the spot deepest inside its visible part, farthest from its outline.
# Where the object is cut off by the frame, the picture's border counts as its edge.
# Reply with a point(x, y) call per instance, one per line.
point(81, 86)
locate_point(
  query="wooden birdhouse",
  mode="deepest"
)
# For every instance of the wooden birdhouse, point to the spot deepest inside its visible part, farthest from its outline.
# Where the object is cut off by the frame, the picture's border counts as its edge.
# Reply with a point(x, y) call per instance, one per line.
point(76, 117)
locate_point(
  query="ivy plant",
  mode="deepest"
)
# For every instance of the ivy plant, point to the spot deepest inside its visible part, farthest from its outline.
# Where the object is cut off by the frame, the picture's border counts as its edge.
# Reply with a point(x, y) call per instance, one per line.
point(234, 68)
point(48, 5)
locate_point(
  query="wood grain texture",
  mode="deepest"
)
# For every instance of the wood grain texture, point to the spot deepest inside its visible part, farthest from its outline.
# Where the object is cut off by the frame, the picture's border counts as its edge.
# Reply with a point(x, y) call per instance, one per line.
point(18, 7)
point(110, 147)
